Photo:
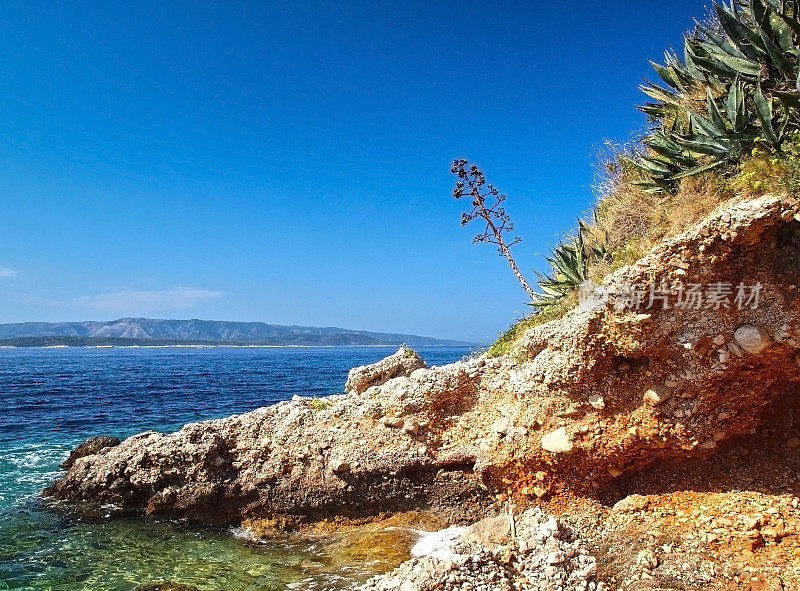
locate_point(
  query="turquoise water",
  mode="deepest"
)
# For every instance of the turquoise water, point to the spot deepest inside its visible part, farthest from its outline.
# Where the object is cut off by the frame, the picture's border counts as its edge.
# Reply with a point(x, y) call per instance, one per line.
point(54, 398)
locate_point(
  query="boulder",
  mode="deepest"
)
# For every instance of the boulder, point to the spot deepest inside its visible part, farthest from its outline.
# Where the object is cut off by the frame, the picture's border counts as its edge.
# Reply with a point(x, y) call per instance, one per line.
point(401, 364)
point(491, 532)
point(557, 442)
point(752, 339)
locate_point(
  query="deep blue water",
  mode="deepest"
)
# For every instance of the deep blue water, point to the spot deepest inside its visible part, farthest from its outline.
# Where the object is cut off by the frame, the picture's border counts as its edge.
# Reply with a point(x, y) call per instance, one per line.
point(52, 399)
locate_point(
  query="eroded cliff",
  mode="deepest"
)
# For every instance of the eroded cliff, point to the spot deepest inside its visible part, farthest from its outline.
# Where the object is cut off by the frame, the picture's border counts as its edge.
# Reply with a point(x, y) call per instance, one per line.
point(646, 374)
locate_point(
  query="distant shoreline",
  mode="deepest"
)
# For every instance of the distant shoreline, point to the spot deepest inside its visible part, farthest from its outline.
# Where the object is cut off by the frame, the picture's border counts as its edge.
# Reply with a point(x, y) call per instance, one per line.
point(154, 332)
point(7, 345)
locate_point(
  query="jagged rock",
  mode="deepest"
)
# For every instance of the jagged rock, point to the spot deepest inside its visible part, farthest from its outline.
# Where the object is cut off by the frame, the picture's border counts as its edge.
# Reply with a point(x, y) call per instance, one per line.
point(555, 558)
point(403, 363)
point(647, 559)
point(340, 466)
point(548, 529)
point(411, 427)
point(657, 395)
point(392, 422)
point(522, 563)
point(89, 447)
point(597, 402)
point(501, 426)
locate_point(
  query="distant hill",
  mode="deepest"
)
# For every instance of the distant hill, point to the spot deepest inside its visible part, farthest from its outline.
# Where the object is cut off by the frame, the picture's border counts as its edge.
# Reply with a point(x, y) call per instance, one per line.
point(146, 331)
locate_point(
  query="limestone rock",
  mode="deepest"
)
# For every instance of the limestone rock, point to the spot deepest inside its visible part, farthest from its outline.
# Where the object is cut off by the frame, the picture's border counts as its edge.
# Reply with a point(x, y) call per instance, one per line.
point(597, 402)
point(490, 532)
point(89, 447)
point(557, 442)
point(647, 559)
point(657, 395)
point(752, 339)
point(501, 426)
point(276, 461)
point(632, 503)
point(392, 422)
point(340, 466)
point(403, 363)
point(411, 427)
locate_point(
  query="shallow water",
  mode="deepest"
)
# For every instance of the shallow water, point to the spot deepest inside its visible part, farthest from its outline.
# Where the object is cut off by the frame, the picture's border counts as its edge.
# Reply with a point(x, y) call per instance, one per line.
point(54, 398)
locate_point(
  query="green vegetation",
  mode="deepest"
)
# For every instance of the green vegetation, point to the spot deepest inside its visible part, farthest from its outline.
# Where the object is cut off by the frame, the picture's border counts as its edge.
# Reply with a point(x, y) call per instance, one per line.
point(736, 88)
point(570, 265)
point(724, 123)
point(320, 404)
point(409, 352)
point(507, 343)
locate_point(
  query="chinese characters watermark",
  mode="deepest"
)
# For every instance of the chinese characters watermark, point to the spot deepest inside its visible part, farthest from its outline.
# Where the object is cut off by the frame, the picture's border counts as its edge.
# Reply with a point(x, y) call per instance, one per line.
point(717, 295)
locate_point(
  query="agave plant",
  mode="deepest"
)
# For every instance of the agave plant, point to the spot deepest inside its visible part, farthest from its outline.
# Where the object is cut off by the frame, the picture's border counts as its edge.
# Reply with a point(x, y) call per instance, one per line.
point(736, 85)
point(570, 264)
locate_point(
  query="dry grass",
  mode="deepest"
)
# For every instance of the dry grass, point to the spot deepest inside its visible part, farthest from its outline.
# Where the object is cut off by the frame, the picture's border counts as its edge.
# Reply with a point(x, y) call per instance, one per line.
point(630, 221)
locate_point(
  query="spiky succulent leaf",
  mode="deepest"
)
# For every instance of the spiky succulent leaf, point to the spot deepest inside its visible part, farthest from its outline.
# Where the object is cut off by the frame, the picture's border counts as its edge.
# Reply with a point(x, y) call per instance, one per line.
point(714, 113)
point(698, 169)
point(764, 111)
point(705, 145)
point(738, 33)
point(720, 41)
point(782, 32)
point(705, 126)
point(776, 55)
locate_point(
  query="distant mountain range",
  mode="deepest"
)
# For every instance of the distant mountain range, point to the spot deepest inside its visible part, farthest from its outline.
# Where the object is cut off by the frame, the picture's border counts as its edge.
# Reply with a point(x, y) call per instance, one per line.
point(146, 331)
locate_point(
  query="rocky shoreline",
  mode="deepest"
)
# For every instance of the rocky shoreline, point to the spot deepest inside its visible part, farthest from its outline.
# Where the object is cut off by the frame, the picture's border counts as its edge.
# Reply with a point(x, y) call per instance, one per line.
point(584, 413)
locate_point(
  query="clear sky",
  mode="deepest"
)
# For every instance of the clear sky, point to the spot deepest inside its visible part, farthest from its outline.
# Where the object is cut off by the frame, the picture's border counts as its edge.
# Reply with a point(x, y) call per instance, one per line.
point(288, 162)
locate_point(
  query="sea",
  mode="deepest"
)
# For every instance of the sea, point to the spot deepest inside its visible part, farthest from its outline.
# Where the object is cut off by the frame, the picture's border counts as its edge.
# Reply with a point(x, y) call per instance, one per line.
point(51, 399)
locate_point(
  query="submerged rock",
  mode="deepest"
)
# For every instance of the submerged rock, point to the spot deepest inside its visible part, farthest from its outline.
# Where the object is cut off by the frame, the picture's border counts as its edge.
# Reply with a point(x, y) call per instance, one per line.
point(166, 586)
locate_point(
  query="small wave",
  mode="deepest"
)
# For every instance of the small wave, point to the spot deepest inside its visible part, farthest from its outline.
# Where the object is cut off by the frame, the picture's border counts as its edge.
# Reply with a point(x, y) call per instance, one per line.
point(430, 542)
point(246, 534)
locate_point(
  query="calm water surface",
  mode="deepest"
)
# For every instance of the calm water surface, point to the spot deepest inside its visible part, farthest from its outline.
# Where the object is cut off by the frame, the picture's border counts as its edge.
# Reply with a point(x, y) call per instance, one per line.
point(52, 399)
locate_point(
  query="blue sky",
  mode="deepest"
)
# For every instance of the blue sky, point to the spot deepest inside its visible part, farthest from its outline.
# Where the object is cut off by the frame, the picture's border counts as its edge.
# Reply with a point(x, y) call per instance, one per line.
point(289, 162)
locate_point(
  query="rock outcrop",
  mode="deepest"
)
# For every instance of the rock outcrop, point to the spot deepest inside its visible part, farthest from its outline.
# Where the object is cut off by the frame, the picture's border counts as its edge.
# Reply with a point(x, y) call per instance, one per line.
point(401, 364)
point(628, 380)
point(91, 446)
